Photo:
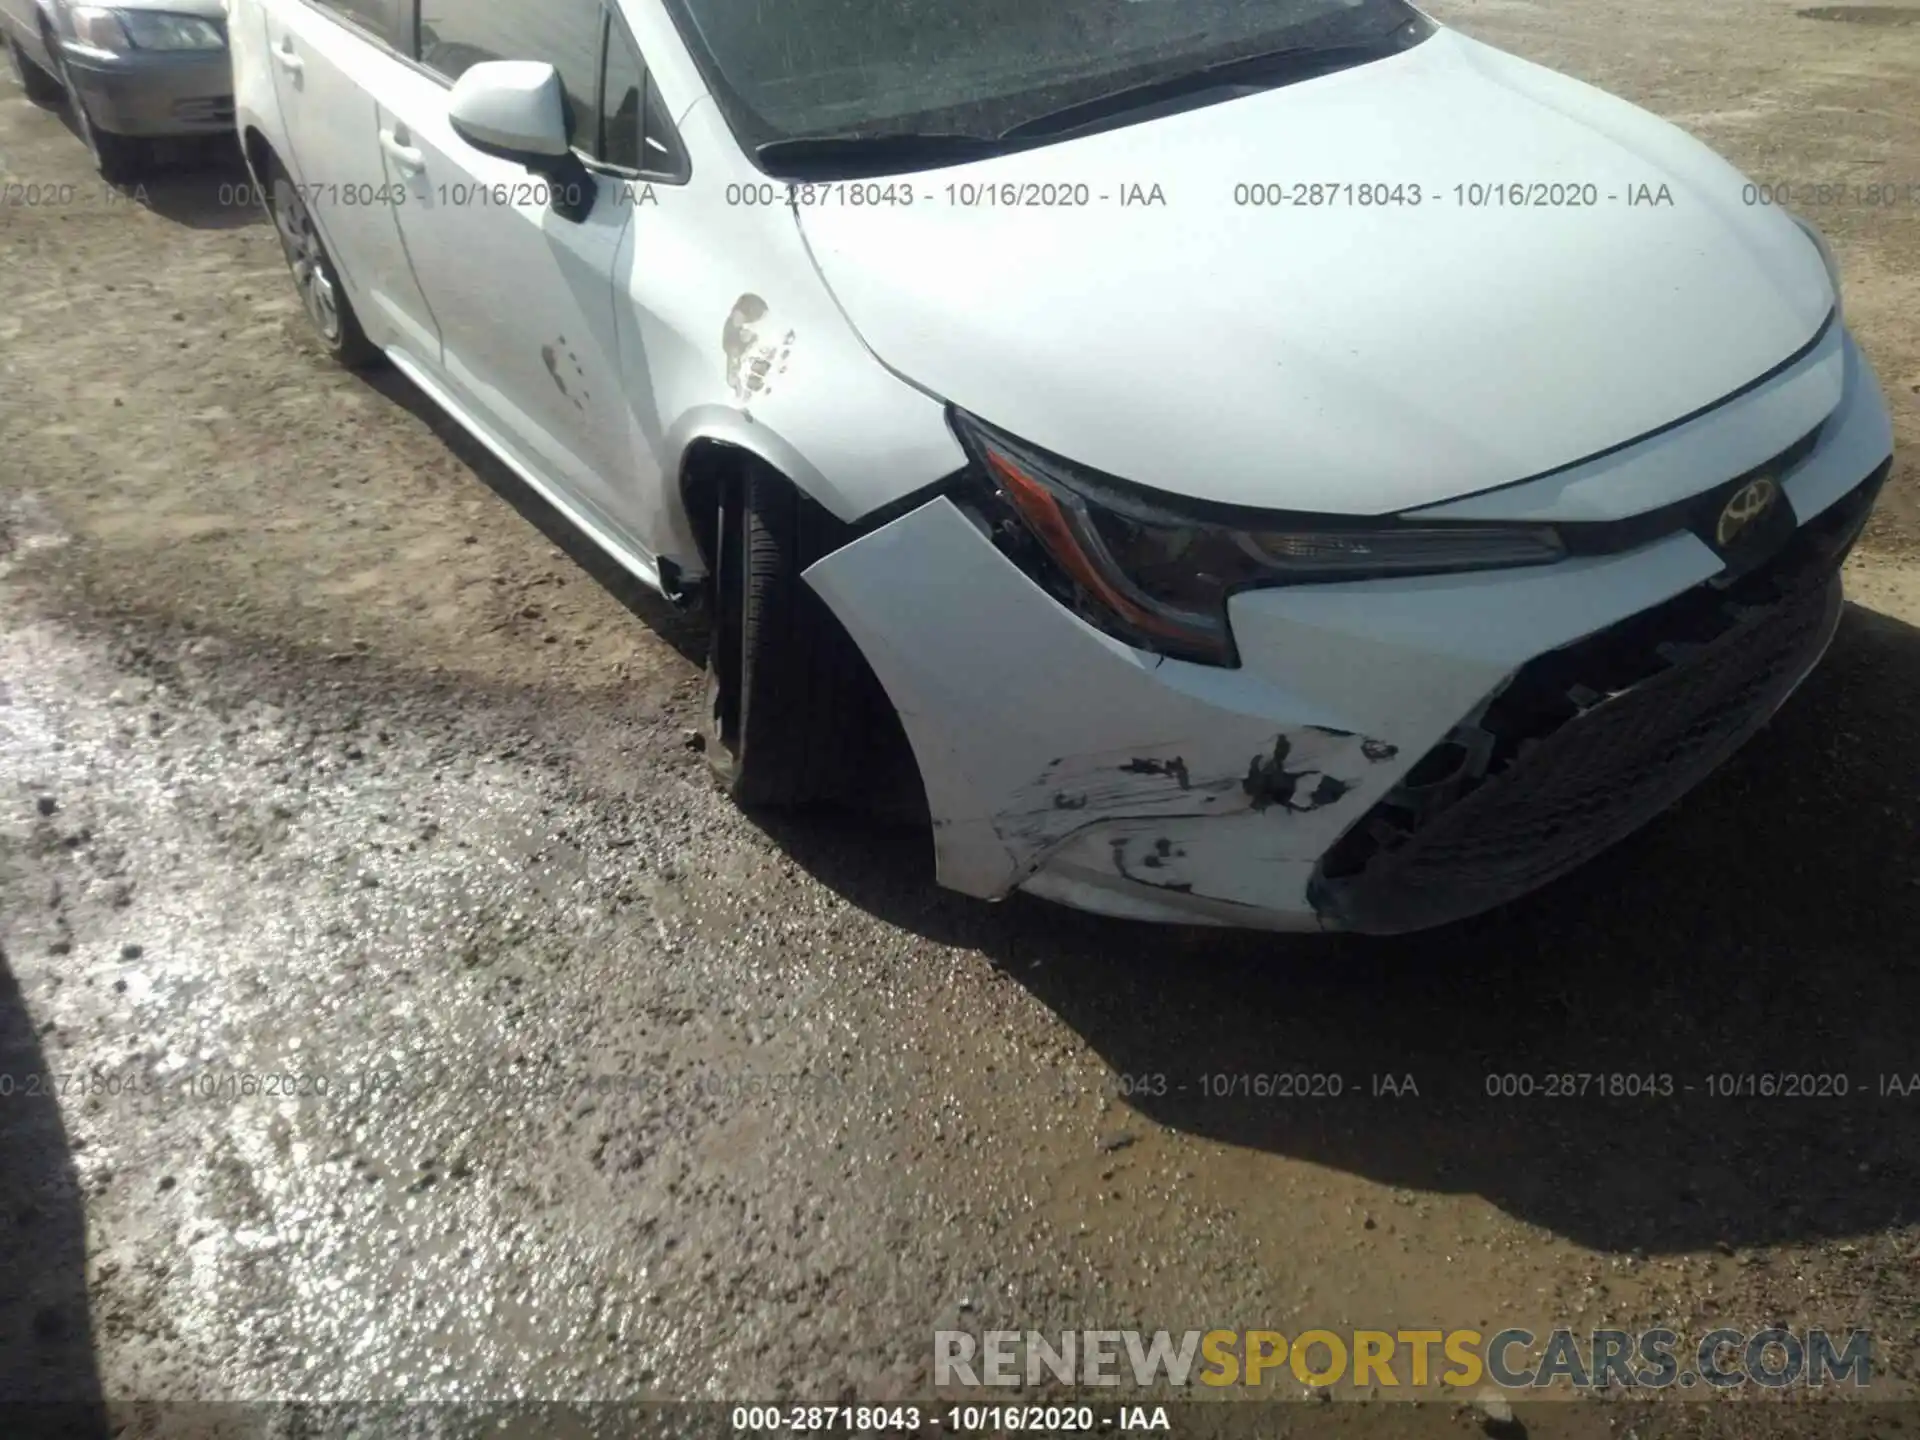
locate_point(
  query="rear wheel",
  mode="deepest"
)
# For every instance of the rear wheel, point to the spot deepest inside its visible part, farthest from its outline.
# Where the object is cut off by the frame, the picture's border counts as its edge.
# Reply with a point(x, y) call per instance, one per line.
point(794, 714)
point(42, 87)
point(321, 294)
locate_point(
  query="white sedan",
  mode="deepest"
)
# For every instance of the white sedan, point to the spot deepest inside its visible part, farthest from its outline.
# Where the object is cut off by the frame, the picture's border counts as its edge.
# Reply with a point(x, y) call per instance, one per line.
point(1278, 462)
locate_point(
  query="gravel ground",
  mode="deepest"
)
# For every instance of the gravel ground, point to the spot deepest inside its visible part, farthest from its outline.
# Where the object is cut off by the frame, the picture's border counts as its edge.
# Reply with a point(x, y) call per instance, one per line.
point(328, 763)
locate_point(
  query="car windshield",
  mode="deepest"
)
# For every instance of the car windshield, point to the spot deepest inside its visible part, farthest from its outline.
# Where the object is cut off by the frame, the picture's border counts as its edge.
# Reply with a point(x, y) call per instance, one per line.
point(787, 69)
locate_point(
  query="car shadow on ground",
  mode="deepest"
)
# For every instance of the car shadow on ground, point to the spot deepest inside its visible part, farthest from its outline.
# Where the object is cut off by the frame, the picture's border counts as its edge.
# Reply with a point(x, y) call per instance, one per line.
point(1756, 938)
point(202, 184)
point(1764, 928)
point(48, 1381)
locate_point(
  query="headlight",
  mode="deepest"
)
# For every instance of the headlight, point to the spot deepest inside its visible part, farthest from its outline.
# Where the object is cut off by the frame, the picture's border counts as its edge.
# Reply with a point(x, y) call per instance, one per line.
point(100, 30)
point(1826, 258)
point(1157, 573)
point(155, 30)
point(121, 31)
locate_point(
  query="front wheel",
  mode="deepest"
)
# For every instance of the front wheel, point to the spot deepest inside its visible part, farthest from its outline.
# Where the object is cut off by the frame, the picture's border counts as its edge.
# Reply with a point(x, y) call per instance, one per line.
point(794, 715)
point(322, 295)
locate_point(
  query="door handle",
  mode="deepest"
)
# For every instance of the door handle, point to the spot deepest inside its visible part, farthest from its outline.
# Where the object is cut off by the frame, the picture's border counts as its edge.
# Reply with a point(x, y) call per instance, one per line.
point(285, 55)
point(406, 159)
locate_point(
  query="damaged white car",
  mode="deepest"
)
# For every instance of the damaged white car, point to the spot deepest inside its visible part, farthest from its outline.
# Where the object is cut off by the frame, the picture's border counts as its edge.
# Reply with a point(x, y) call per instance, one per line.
point(1283, 463)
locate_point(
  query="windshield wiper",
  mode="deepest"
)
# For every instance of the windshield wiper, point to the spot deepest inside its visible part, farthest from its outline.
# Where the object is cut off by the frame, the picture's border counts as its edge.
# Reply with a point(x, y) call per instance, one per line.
point(854, 156)
point(1247, 73)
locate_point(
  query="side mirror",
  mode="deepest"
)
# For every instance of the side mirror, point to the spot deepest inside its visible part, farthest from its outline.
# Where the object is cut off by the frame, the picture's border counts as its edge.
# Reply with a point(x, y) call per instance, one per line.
point(517, 110)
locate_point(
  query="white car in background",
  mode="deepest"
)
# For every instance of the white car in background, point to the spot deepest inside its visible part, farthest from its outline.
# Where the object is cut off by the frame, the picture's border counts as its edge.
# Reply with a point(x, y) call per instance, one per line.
point(1283, 463)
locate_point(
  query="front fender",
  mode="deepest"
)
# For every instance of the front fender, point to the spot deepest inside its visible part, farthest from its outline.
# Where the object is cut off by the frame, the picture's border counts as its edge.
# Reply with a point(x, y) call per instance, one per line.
point(731, 335)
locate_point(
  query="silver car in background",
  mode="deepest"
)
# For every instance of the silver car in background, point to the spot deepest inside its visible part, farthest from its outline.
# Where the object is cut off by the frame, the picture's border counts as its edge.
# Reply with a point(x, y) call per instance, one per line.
point(132, 71)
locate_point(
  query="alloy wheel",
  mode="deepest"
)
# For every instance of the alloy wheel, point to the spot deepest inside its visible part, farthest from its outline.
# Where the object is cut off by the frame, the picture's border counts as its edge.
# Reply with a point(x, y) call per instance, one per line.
point(307, 258)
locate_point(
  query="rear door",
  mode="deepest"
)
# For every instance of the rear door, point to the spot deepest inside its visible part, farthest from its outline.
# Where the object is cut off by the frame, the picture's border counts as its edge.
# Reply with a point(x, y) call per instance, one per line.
point(525, 297)
point(331, 60)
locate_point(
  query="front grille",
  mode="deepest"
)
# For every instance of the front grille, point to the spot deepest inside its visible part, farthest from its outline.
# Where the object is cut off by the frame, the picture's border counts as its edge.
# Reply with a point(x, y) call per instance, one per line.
point(1697, 513)
point(1586, 744)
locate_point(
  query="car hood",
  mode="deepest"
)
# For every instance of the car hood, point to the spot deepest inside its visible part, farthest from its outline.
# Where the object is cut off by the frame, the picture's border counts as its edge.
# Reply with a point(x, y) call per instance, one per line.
point(1342, 357)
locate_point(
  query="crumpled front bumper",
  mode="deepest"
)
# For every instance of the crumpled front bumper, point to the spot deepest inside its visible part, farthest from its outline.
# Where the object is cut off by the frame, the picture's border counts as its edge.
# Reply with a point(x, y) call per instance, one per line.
point(1058, 760)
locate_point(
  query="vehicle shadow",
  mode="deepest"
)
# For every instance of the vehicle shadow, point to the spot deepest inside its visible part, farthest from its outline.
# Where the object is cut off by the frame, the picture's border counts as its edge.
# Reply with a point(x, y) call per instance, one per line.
point(1761, 929)
point(49, 1384)
point(1765, 927)
point(201, 184)
point(686, 631)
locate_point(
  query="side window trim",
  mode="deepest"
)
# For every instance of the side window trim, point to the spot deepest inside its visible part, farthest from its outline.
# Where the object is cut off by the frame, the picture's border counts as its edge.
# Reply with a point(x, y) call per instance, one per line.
point(682, 171)
point(600, 84)
point(654, 109)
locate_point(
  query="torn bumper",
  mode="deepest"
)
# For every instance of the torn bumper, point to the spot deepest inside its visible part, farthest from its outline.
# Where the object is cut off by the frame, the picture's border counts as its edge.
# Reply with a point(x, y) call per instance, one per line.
point(1390, 754)
point(1586, 744)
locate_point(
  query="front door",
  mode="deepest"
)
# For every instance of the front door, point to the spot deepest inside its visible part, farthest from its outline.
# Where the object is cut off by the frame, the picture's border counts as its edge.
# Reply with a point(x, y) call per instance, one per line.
point(525, 296)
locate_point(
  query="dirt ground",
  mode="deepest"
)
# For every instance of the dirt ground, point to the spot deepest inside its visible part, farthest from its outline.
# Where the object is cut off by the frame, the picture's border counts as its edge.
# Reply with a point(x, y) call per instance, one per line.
point(324, 754)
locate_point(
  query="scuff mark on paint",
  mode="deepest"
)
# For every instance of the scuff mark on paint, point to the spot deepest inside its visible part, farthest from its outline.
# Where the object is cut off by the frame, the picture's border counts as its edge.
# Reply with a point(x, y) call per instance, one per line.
point(1311, 770)
point(757, 353)
point(1270, 782)
point(1156, 856)
point(551, 357)
point(1175, 769)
